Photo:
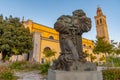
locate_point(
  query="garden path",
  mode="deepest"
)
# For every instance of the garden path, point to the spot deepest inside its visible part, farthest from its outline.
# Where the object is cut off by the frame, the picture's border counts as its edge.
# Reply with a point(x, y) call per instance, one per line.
point(32, 75)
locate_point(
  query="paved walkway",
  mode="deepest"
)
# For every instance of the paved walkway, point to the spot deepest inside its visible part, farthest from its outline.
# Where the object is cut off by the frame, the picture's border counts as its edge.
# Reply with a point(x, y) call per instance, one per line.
point(33, 75)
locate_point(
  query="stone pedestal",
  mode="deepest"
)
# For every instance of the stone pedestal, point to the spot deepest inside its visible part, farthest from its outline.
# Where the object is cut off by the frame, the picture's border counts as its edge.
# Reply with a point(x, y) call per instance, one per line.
point(74, 75)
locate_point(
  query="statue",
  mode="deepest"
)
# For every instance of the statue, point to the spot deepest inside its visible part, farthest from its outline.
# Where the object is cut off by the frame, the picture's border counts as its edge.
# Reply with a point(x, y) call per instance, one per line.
point(70, 30)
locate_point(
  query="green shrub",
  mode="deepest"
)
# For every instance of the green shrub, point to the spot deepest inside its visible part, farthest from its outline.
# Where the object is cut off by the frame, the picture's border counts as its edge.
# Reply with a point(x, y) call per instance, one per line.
point(6, 74)
point(24, 66)
point(17, 65)
point(44, 68)
point(111, 74)
point(7, 57)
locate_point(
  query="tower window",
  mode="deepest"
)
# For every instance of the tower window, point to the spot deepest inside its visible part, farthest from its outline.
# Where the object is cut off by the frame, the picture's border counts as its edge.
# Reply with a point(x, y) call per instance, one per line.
point(100, 21)
point(97, 22)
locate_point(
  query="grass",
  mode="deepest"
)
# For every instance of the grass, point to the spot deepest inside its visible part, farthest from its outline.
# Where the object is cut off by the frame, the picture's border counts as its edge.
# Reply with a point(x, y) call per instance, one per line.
point(6, 73)
point(24, 66)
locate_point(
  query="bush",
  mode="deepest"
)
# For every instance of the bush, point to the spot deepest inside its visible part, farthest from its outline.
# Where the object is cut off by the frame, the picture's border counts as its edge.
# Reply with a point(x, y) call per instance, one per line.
point(24, 65)
point(111, 74)
point(6, 74)
point(17, 65)
point(44, 68)
point(7, 57)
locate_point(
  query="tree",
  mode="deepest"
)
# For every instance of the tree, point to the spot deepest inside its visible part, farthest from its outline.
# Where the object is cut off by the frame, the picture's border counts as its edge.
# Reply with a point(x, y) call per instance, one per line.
point(102, 58)
point(116, 48)
point(86, 53)
point(89, 56)
point(92, 57)
point(49, 53)
point(45, 66)
point(14, 38)
point(101, 46)
point(114, 58)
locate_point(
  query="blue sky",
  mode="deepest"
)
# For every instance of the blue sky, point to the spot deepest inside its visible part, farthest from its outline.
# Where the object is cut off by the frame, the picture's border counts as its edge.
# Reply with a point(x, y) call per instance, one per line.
point(46, 12)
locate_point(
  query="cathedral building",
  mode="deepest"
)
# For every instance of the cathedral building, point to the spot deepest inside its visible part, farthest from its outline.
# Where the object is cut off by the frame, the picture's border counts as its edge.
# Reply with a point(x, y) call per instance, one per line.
point(47, 38)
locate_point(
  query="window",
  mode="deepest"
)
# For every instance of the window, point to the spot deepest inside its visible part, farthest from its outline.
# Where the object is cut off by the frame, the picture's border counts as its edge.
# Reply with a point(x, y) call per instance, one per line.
point(100, 21)
point(84, 45)
point(42, 60)
point(51, 37)
point(90, 47)
point(97, 22)
point(47, 48)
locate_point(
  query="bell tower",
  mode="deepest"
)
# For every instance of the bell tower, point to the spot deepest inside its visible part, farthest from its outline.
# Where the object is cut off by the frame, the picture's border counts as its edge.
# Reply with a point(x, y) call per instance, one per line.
point(101, 25)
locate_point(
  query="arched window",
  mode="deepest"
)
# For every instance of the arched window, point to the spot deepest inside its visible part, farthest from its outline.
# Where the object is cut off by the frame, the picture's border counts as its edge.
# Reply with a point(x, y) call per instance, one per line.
point(90, 47)
point(100, 21)
point(97, 22)
point(47, 48)
point(51, 37)
point(84, 45)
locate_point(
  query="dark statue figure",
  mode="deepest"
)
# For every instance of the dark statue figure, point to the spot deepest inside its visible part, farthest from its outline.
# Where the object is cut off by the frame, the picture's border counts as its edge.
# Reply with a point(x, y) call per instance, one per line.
point(70, 30)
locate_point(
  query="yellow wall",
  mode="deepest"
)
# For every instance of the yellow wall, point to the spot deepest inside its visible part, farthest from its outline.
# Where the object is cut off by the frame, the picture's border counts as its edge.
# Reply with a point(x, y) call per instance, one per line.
point(53, 45)
point(46, 32)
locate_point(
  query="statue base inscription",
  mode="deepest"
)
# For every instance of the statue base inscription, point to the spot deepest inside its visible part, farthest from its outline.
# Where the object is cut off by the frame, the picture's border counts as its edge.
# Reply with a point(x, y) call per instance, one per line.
point(74, 75)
